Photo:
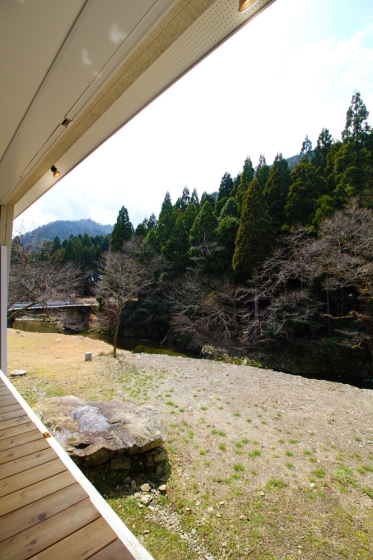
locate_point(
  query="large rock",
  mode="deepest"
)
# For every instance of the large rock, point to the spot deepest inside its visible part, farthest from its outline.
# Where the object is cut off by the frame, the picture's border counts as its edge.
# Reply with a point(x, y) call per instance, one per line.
point(95, 432)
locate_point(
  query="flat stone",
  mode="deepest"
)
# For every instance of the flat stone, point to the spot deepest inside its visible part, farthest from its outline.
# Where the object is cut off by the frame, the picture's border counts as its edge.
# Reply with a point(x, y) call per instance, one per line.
point(93, 433)
point(145, 488)
point(18, 373)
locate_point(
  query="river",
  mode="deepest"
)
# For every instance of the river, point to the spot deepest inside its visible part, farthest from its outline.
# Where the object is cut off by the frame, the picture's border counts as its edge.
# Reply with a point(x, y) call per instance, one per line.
point(135, 345)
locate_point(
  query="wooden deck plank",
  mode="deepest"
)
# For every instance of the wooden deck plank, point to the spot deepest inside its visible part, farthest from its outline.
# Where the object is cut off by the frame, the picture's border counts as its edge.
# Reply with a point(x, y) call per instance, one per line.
point(84, 543)
point(30, 542)
point(3, 387)
point(23, 450)
point(16, 430)
point(37, 491)
point(5, 424)
point(20, 439)
point(25, 463)
point(115, 551)
point(37, 512)
point(9, 407)
point(8, 414)
point(44, 512)
point(7, 399)
point(32, 476)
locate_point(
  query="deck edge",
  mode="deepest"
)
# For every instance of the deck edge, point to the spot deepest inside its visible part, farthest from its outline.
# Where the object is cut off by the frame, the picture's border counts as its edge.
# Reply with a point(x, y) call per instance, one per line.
point(124, 534)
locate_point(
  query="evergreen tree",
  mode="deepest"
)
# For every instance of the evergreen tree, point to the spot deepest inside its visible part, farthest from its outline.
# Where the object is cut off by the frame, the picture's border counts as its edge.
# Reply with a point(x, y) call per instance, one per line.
point(226, 234)
point(122, 231)
point(184, 200)
point(204, 226)
point(306, 150)
point(351, 166)
point(247, 176)
point(255, 236)
point(142, 229)
point(225, 189)
point(306, 188)
point(69, 252)
point(56, 246)
point(324, 143)
point(229, 209)
point(210, 198)
point(276, 191)
point(357, 127)
point(262, 171)
point(177, 246)
point(190, 215)
point(165, 221)
point(152, 222)
point(194, 198)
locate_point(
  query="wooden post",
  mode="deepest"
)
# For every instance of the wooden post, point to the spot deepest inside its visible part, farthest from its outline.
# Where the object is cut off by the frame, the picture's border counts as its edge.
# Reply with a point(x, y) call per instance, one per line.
point(3, 306)
point(6, 228)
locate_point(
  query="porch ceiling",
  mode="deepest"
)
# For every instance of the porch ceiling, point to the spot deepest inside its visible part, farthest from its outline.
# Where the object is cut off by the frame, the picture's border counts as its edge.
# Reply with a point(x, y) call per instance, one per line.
point(92, 65)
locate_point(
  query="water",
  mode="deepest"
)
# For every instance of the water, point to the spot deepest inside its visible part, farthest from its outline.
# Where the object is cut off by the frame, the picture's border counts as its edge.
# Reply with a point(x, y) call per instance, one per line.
point(135, 345)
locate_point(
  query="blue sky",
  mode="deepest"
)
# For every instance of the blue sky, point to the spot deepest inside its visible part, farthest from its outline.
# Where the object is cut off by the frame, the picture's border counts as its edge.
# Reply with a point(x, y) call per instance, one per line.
point(288, 73)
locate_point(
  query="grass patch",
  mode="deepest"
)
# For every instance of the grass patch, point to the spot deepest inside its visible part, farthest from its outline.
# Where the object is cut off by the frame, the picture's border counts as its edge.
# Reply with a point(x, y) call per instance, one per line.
point(254, 453)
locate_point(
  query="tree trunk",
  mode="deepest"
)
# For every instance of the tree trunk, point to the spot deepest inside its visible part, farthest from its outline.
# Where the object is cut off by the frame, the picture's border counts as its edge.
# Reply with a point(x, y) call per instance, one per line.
point(256, 313)
point(117, 325)
point(328, 311)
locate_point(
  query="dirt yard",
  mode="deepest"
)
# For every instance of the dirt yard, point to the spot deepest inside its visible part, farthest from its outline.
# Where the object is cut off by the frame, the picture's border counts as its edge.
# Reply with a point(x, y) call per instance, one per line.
point(264, 465)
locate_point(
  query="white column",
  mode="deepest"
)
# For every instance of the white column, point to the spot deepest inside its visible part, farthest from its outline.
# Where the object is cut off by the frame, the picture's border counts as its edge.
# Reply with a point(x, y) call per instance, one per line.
point(6, 227)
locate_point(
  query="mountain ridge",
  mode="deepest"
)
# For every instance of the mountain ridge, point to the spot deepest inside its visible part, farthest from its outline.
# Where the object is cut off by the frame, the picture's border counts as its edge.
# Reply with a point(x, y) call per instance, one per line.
point(65, 228)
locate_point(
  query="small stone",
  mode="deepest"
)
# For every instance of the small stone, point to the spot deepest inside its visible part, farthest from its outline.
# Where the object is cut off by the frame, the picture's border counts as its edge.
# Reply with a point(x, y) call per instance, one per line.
point(162, 456)
point(133, 484)
point(145, 488)
point(146, 499)
point(242, 517)
point(312, 485)
point(18, 373)
point(162, 488)
point(146, 532)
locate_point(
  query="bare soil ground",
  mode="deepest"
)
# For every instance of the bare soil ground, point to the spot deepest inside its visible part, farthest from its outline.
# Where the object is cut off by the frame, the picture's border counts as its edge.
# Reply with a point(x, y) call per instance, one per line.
point(264, 465)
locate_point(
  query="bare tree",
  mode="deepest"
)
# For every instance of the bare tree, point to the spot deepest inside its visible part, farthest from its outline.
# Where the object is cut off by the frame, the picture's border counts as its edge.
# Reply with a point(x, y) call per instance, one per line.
point(124, 276)
point(34, 281)
point(203, 309)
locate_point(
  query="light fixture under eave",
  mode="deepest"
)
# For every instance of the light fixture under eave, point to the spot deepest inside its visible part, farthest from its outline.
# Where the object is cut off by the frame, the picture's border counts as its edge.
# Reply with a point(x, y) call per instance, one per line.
point(246, 4)
point(55, 172)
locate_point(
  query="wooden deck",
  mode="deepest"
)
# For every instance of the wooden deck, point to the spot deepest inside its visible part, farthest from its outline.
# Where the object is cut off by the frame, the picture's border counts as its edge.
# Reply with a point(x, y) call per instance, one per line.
point(45, 512)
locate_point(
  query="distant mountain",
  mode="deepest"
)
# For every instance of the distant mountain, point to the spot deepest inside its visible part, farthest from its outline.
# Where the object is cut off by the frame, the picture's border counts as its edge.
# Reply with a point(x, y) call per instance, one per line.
point(65, 228)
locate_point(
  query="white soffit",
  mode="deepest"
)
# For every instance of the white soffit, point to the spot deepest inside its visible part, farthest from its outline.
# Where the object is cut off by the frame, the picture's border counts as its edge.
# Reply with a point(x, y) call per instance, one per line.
point(103, 86)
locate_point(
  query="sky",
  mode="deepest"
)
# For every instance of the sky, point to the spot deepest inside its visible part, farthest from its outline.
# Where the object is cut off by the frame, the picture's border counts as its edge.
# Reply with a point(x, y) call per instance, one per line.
point(290, 72)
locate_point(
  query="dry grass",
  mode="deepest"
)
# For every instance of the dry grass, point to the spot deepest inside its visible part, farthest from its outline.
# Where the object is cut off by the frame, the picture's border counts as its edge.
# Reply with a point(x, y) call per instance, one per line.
point(263, 465)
